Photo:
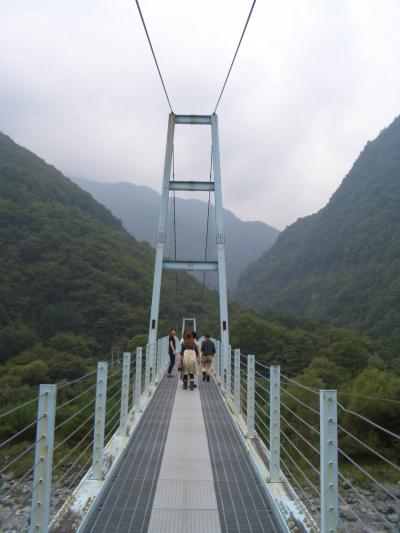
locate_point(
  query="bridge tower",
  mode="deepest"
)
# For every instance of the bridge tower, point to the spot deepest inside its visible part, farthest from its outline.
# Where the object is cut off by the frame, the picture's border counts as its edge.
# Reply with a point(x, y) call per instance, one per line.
point(190, 265)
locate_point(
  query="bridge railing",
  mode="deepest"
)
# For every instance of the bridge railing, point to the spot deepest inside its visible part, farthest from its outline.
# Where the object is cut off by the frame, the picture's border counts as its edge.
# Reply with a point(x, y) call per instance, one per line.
point(66, 435)
point(306, 433)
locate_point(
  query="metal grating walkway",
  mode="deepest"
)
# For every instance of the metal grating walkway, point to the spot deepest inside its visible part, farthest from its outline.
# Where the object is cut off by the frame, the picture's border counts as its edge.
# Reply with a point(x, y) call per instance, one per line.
point(185, 470)
point(242, 504)
point(185, 500)
point(127, 503)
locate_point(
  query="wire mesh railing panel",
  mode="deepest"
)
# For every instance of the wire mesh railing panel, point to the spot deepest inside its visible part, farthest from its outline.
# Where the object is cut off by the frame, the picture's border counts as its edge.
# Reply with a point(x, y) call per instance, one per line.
point(262, 405)
point(300, 440)
point(73, 437)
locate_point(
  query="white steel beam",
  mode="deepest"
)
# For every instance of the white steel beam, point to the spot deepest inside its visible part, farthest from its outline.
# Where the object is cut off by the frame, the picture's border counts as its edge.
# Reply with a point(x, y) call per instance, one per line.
point(220, 240)
point(193, 119)
point(191, 186)
point(190, 265)
point(99, 421)
point(329, 461)
point(275, 423)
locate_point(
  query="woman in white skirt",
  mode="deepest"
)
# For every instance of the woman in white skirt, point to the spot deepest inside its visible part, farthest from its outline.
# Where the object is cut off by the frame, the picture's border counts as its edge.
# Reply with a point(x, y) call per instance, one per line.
point(190, 357)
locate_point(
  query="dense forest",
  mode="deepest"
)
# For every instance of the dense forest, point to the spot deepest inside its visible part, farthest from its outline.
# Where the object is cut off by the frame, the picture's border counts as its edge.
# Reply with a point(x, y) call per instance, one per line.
point(138, 208)
point(342, 263)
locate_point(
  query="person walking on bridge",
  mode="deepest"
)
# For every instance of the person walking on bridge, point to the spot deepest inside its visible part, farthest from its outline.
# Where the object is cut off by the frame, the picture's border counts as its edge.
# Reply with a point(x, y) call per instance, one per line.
point(171, 350)
point(207, 354)
point(190, 355)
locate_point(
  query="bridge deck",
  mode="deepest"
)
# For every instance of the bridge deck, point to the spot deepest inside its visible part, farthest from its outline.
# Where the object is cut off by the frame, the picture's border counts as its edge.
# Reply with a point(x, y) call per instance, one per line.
point(185, 470)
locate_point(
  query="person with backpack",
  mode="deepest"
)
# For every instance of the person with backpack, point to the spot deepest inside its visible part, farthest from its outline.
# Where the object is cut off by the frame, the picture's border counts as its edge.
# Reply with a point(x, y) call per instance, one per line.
point(190, 356)
point(207, 354)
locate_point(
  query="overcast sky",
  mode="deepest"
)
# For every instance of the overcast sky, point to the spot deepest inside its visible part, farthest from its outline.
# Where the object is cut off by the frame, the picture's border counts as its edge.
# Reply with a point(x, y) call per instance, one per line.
point(314, 80)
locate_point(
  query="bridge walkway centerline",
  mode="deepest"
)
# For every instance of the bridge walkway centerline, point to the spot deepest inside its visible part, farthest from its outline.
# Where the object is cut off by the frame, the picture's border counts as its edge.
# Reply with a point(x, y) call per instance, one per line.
point(184, 470)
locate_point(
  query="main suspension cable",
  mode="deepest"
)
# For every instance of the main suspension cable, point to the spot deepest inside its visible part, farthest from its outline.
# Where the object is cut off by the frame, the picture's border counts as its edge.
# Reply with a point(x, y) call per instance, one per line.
point(234, 57)
point(154, 55)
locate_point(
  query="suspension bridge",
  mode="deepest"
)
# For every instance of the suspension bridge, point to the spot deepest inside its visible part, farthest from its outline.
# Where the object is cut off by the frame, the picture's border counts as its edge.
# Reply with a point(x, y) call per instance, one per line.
point(252, 450)
point(125, 449)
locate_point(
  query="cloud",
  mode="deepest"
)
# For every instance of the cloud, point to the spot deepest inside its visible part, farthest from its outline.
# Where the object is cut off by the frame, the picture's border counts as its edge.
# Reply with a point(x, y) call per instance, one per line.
point(312, 83)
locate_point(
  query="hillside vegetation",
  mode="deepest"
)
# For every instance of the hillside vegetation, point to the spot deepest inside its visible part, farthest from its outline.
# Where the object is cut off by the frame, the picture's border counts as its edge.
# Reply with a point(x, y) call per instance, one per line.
point(73, 279)
point(74, 282)
point(343, 263)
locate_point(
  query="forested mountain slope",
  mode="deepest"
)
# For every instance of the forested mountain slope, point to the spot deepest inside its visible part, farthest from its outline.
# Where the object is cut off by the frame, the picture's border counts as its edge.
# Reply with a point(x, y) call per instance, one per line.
point(138, 208)
point(343, 263)
point(68, 266)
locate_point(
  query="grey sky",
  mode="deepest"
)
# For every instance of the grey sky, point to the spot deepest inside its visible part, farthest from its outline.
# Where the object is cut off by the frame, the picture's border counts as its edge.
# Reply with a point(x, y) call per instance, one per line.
point(313, 81)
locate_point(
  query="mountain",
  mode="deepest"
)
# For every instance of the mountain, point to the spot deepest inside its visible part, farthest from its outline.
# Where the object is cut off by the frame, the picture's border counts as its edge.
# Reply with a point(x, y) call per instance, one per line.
point(342, 263)
point(67, 265)
point(138, 208)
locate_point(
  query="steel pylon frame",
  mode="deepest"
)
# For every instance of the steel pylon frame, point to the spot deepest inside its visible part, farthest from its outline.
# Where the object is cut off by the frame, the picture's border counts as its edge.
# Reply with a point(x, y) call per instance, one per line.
point(168, 185)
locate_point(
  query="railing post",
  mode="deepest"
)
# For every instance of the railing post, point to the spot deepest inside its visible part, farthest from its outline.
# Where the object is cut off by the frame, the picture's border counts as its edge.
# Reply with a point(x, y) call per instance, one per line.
point(123, 424)
point(250, 395)
point(138, 383)
point(223, 349)
point(99, 421)
point(237, 381)
point(217, 362)
point(228, 369)
point(43, 459)
point(147, 371)
point(165, 352)
point(159, 360)
point(329, 461)
point(275, 423)
point(153, 362)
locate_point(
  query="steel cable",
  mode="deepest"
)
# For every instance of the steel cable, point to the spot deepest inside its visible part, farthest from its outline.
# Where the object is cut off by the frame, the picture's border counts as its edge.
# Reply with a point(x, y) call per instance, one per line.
point(154, 55)
point(313, 467)
point(234, 57)
point(73, 433)
point(301, 436)
point(4, 443)
point(262, 376)
point(300, 402)
point(351, 508)
point(300, 385)
point(262, 421)
point(76, 397)
point(299, 418)
point(262, 364)
point(362, 417)
point(74, 415)
point(13, 461)
point(368, 397)
point(58, 482)
point(261, 397)
point(368, 475)
point(19, 407)
point(301, 471)
point(20, 504)
point(369, 448)
point(77, 380)
point(364, 499)
point(289, 473)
